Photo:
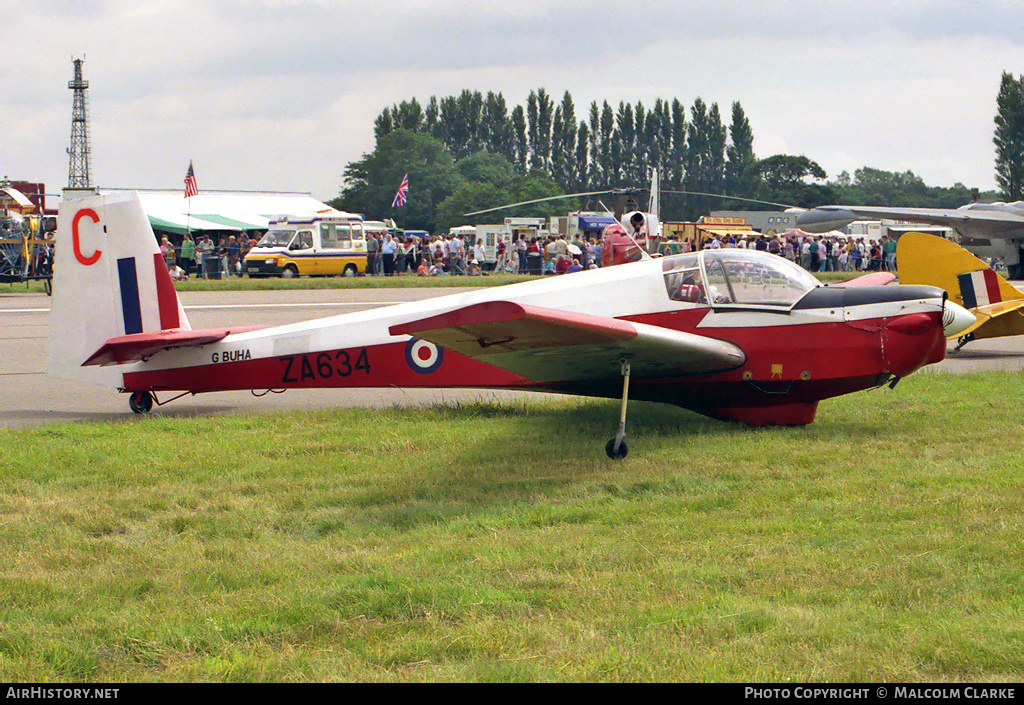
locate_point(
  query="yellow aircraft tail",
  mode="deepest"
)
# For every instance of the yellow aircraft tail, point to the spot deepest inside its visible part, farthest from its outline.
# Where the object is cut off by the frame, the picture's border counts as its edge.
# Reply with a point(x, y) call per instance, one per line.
point(926, 259)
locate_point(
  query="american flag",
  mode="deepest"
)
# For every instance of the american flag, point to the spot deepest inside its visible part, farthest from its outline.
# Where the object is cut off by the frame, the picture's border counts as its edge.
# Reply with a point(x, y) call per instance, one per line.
point(190, 182)
point(402, 197)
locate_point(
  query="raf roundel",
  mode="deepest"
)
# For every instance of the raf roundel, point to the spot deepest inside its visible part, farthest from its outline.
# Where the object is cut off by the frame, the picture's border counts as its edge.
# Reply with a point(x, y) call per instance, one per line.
point(423, 357)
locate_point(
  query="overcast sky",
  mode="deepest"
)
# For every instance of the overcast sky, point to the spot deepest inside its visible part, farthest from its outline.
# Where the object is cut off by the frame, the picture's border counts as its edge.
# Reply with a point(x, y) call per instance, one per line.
point(282, 94)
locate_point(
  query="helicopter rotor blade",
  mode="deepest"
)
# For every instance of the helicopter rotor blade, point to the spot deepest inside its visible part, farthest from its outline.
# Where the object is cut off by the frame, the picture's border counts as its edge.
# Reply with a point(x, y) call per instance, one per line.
point(628, 192)
point(537, 200)
point(731, 198)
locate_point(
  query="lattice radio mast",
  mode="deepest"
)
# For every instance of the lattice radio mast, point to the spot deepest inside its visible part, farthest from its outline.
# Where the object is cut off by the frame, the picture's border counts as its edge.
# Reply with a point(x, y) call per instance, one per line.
point(78, 152)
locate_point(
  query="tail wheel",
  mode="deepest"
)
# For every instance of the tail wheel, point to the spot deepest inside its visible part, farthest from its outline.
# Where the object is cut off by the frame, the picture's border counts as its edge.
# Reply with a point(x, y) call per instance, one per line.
point(350, 270)
point(140, 402)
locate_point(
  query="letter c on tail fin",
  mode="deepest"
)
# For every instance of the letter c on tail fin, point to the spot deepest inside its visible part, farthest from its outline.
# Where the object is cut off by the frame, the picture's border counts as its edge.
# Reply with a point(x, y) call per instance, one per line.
point(75, 239)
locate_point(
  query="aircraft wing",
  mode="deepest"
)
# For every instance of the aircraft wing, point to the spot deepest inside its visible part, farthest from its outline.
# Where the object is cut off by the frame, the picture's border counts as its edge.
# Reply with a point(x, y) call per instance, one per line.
point(549, 345)
point(142, 346)
point(872, 279)
point(981, 222)
point(17, 196)
point(984, 314)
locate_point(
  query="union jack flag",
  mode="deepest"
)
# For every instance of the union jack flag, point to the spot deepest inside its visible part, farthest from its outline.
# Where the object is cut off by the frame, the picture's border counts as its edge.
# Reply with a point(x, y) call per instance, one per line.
point(402, 197)
point(190, 182)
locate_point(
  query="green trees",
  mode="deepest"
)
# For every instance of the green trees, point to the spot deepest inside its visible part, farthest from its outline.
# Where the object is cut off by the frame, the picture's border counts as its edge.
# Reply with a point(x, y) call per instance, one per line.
point(785, 178)
point(741, 172)
point(1009, 137)
point(704, 160)
point(472, 151)
point(441, 189)
point(874, 187)
point(608, 148)
point(371, 182)
point(611, 147)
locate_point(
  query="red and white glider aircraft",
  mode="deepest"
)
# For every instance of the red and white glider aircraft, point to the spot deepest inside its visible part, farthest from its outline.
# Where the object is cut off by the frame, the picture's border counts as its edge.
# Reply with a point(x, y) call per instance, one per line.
point(733, 334)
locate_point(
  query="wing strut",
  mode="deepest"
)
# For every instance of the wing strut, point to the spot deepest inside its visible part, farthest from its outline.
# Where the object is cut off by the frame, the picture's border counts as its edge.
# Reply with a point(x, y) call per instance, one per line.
point(616, 448)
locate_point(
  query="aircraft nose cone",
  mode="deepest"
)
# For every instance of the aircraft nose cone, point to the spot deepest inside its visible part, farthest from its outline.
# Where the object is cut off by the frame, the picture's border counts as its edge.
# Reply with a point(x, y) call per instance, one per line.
point(824, 219)
point(956, 319)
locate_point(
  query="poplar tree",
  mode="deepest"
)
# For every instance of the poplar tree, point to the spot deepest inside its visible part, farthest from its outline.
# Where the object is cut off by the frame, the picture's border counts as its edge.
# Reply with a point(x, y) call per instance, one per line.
point(497, 126)
point(520, 143)
point(1009, 137)
point(673, 205)
point(705, 157)
point(540, 115)
point(563, 143)
point(583, 162)
point(607, 158)
point(741, 176)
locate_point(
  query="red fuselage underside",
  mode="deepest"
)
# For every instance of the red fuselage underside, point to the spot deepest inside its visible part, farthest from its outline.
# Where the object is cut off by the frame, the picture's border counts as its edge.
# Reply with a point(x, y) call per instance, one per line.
point(789, 368)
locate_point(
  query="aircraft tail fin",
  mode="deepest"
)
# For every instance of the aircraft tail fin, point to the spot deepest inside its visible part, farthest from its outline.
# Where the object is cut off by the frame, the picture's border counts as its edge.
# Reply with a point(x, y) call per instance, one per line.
point(655, 207)
point(931, 260)
point(110, 280)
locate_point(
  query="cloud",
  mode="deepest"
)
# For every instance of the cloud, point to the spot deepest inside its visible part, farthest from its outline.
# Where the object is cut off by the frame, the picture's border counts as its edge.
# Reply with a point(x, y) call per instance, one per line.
point(281, 94)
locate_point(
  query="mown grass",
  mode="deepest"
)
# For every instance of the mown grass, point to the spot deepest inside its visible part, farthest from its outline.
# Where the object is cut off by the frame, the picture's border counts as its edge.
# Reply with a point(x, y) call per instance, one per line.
point(400, 282)
point(496, 542)
point(361, 282)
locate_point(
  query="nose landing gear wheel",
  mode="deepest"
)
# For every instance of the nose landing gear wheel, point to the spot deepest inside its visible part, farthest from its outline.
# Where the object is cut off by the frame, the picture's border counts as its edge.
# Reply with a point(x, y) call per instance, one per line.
point(140, 402)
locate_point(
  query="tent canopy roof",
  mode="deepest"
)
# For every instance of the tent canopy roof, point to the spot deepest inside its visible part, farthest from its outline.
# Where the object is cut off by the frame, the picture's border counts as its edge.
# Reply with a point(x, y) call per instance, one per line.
point(224, 211)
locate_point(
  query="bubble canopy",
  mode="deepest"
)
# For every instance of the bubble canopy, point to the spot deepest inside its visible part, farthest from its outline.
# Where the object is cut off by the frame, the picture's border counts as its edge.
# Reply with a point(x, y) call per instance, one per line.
point(736, 278)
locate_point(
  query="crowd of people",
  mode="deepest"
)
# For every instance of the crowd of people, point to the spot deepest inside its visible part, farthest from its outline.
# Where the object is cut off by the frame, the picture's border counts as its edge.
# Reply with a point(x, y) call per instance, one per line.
point(204, 257)
point(815, 253)
point(389, 254)
point(450, 254)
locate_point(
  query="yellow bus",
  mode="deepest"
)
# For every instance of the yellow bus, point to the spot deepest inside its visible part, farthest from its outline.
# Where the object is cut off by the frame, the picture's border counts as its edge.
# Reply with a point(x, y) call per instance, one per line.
point(328, 245)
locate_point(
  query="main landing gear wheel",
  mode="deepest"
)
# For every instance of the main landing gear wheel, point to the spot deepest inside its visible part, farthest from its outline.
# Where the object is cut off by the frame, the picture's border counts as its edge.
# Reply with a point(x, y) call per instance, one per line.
point(614, 454)
point(140, 402)
point(616, 447)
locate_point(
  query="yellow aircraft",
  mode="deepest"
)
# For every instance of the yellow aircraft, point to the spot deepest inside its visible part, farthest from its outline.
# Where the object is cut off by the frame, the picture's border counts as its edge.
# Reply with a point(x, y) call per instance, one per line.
point(997, 305)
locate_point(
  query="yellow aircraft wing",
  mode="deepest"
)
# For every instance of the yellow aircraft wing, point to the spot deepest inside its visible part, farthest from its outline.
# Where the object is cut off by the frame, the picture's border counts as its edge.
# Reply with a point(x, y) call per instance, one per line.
point(993, 320)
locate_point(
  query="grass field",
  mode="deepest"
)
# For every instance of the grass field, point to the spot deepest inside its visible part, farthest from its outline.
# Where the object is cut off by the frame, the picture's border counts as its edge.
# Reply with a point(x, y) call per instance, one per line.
point(488, 542)
point(402, 282)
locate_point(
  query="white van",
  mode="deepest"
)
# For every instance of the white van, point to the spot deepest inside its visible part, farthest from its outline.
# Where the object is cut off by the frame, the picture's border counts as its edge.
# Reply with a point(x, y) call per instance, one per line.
point(328, 245)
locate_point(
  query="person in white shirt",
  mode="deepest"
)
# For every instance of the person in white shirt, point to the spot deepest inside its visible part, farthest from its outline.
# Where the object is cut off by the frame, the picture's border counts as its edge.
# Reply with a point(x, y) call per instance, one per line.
point(456, 265)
